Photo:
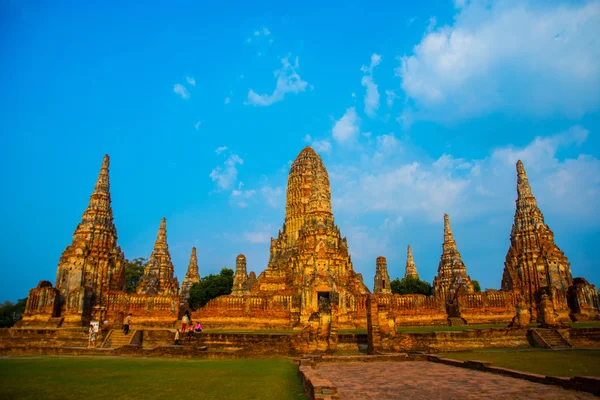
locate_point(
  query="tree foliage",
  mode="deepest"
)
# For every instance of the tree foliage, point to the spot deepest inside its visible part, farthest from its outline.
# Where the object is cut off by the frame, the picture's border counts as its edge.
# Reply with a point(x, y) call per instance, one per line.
point(410, 285)
point(476, 286)
point(211, 286)
point(11, 312)
point(134, 270)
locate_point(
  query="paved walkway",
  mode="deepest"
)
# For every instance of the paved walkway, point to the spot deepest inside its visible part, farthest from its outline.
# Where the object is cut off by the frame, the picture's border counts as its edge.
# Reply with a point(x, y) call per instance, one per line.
point(427, 380)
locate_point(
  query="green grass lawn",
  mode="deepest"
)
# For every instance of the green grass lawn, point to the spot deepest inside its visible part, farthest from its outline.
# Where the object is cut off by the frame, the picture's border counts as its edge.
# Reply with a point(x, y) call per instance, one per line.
point(139, 378)
point(545, 362)
point(585, 324)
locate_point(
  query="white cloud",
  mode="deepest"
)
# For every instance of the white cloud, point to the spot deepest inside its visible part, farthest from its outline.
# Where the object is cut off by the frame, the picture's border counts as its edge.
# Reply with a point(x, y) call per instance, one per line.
point(273, 196)
point(391, 96)
point(240, 195)
point(227, 100)
point(266, 32)
point(257, 237)
point(197, 125)
point(191, 80)
point(371, 94)
point(226, 176)
point(375, 60)
point(221, 149)
point(321, 146)
point(288, 81)
point(181, 91)
point(530, 58)
point(346, 129)
point(470, 188)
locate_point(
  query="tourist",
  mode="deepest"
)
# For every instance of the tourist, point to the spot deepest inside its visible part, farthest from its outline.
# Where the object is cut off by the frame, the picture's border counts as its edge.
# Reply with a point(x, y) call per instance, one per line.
point(198, 328)
point(190, 333)
point(177, 338)
point(126, 324)
point(185, 321)
point(91, 337)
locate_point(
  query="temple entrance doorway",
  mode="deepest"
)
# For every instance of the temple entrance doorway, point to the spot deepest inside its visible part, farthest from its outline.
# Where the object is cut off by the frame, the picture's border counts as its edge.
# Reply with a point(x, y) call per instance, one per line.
point(324, 301)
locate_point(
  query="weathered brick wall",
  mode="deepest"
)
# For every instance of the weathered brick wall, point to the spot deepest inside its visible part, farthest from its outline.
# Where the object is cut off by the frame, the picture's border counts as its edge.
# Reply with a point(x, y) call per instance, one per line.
point(490, 307)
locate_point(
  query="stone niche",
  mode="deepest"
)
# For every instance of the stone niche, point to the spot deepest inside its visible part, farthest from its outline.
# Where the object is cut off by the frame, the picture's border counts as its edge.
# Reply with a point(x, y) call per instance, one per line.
point(583, 301)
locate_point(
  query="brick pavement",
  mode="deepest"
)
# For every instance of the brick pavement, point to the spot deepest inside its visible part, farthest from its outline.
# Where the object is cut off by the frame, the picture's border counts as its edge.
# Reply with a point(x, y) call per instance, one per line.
point(427, 380)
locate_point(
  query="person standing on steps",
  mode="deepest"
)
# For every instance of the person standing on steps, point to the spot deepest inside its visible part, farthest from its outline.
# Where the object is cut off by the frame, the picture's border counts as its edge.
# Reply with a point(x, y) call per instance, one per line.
point(126, 324)
point(91, 337)
point(177, 338)
point(185, 321)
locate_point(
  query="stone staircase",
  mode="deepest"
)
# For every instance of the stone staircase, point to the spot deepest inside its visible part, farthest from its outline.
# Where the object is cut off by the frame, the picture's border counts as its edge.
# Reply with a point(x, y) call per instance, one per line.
point(456, 321)
point(116, 338)
point(553, 339)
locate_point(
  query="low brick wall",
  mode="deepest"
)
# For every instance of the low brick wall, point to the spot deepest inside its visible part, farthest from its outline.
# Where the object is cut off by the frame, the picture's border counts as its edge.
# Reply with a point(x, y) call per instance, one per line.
point(457, 340)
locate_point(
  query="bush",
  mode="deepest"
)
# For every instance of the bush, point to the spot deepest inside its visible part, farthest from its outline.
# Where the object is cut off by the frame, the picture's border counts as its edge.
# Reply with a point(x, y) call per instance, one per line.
point(410, 285)
point(211, 286)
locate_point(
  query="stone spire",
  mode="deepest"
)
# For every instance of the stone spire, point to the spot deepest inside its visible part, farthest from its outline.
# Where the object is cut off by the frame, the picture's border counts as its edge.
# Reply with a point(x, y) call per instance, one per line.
point(308, 193)
point(452, 273)
point(158, 276)
point(533, 261)
point(93, 262)
point(411, 268)
point(241, 277)
point(382, 278)
point(192, 276)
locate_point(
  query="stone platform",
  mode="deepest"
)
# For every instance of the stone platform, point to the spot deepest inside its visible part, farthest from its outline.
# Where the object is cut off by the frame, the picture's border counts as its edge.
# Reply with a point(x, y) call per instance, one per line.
point(426, 380)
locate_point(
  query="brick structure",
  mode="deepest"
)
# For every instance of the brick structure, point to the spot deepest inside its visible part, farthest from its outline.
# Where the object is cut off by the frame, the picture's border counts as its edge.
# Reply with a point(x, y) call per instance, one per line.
point(534, 264)
point(158, 276)
point(309, 267)
point(583, 301)
point(241, 281)
point(90, 280)
point(452, 274)
point(191, 276)
point(382, 279)
point(410, 270)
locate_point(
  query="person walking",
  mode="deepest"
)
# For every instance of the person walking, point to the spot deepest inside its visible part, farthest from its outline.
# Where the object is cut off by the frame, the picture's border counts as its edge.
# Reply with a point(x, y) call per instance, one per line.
point(177, 338)
point(126, 324)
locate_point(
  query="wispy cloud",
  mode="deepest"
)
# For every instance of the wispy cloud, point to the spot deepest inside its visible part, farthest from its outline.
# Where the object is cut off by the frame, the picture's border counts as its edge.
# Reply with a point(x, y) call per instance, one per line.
point(372, 93)
point(197, 125)
point(191, 80)
point(181, 91)
point(346, 129)
point(225, 176)
point(288, 81)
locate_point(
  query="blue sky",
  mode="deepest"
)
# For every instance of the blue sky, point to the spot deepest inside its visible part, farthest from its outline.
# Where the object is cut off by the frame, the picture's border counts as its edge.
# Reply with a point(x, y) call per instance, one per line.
point(417, 111)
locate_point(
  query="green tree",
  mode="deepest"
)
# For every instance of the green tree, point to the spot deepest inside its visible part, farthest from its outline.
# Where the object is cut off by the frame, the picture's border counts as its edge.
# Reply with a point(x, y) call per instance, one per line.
point(410, 285)
point(11, 312)
point(211, 286)
point(476, 286)
point(134, 270)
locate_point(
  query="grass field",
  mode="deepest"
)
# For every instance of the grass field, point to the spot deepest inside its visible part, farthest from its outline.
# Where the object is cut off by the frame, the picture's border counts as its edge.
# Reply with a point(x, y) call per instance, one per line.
point(545, 362)
point(140, 378)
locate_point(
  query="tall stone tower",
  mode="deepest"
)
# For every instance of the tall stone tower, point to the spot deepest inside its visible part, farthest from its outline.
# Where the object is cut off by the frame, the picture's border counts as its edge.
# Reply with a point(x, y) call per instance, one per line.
point(533, 261)
point(191, 276)
point(93, 263)
point(309, 256)
point(382, 279)
point(452, 273)
point(158, 276)
point(411, 268)
point(241, 277)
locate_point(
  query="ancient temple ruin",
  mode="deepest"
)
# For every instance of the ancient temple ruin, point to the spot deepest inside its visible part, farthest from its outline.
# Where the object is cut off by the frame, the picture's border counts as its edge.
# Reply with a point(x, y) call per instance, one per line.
point(534, 264)
point(382, 278)
point(309, 268)
point(90, 280)
point(191, 276)
point(309, 283)
point(410, 270)
point(452, 274)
